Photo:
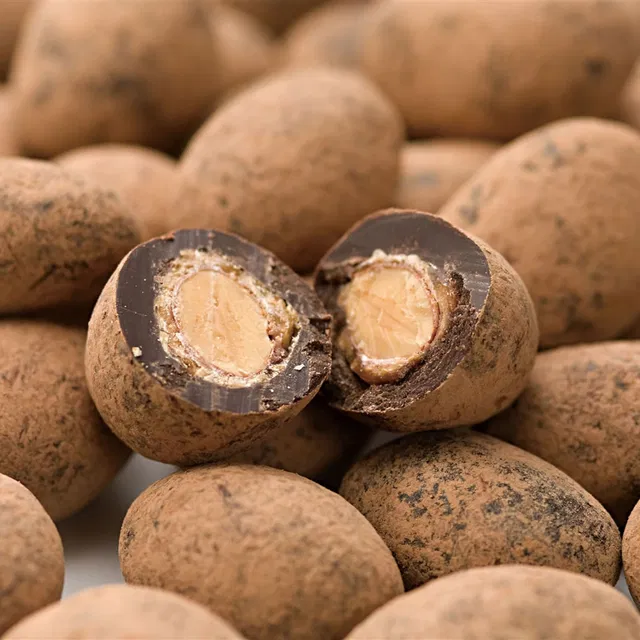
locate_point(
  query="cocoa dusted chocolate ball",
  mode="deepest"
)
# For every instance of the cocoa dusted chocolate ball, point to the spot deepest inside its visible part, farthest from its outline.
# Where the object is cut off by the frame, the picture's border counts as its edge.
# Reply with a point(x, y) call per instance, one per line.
point(432, 328)
point(201, 343)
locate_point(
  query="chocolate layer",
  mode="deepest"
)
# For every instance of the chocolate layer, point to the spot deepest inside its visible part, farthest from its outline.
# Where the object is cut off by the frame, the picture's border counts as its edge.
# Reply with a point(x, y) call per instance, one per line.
point(307, 363)
point(457, 265)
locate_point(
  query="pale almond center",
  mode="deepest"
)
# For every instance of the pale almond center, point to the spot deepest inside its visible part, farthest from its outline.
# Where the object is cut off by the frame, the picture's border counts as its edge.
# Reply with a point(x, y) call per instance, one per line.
point(391, 318)
point(224, 323)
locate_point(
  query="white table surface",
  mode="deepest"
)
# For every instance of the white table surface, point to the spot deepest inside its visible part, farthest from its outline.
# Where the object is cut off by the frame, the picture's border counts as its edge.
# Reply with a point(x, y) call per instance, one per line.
point(90, 538)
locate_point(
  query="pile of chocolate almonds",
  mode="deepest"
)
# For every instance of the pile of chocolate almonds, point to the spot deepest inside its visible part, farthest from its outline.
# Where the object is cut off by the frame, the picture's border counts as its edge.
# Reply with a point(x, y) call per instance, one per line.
point(366, 273)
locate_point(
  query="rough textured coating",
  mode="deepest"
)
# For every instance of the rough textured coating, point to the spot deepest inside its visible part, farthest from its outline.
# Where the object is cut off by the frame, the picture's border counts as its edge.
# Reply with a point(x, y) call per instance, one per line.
point(275, 14)
point(449, 501)
point(317, 443)
point(328, 36)
point(145, 180)
point(8, 143)
point(504, 603)
point(52, 438)
point(631, 553)
point(123, 612)
point(478, 69)
point(477, 366)
point(291, 163)
point(560, 204)
point(581, 412)
point(431, 171)
point(246, 49)
point(31, 558)
point(152, 402)
point(13, 13)
point(89, 71)
point(60, 238)
point(212, 532)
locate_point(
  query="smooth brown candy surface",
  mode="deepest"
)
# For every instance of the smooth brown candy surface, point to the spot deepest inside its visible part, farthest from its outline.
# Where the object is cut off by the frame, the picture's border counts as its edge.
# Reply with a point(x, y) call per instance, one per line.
point(631, 553)
point(502, 603)
point(89, 71)
point(292, 162)
point(201, 343)
point(478, 69)
point(123, 612)
point(328, 36)
point(432, 170)
point(273, 553)
point(31, 558)
point(449, 501)
point(53, 440)
point(13, 14)
point(246, 49)
point(581, 412)
point(630, 99)
point(432, 329)
point(8, 144)
point(634, 333)
point(60, 237)
point(317, 443)
point(560, 205)
point(275, 14)
point(144, 179)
